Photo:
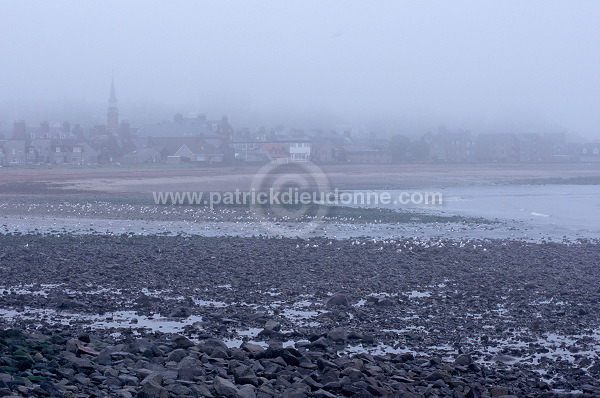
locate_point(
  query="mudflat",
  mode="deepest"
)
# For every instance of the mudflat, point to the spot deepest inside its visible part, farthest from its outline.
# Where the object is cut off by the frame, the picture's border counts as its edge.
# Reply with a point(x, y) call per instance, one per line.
point(143, 179)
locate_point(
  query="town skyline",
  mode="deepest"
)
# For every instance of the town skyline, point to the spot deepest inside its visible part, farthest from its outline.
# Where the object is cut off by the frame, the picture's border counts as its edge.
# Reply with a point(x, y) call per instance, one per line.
point(204, 141)
point(160, 113)
point(396, 68)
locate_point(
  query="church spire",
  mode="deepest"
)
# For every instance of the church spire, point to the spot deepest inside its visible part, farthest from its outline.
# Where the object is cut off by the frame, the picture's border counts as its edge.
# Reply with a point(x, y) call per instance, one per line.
point(112, 113)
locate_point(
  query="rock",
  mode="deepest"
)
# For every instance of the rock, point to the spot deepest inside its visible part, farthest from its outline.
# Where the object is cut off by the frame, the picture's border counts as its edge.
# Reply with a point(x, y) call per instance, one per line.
point(258, 316)
point(127, 380)
point(245, 375)
point(384, 302)
point(212, 344)
point(69, 304)
point(435, 376)
point(321, 342)
point(253, 349)
point(219, 353)
point(312, 383)
point(225, 387)
point(320, 393)
point(183, 342)
point(84, 338)
point(504, 358)
point(71, 346)
point(155, 377)
point(473, 367)
point(377, 391)
point(124, 393)
point(272, 325)
point(463, 360)
point(439, 384)
point(82, 365)
point(246, 391)
point(368, 338)
point(81, 349)
point(177, 355)
point(189, 368)
point(181, 312)
point(499, 391)
point(267, 334)
point(271, 370)
point(51, 389)
point(178, 389)
point(151, 389)
point(338, 334)
point(201, 390)
point(338, 299)
point(294, 394)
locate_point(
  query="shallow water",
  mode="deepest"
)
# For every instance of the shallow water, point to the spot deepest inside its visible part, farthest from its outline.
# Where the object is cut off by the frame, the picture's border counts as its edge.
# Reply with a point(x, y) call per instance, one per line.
point(572, 209)
point(515, 230)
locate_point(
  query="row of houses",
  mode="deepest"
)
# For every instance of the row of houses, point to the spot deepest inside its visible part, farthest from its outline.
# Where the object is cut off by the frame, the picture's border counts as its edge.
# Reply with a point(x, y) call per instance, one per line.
point(444, 147)
point(463, 147)
point(46, 151)
point(200, 140)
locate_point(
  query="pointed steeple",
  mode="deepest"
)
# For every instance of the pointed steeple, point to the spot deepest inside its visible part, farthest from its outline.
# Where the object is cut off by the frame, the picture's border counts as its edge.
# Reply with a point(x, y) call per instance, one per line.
point(112, 114)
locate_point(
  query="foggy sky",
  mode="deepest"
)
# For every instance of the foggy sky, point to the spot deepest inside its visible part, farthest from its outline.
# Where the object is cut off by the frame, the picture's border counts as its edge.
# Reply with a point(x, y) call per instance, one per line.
point(398, 66)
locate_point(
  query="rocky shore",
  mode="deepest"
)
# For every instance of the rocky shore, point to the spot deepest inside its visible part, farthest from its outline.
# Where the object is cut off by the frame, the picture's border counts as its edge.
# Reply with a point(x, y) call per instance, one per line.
point(60, 365)
point(152, 316)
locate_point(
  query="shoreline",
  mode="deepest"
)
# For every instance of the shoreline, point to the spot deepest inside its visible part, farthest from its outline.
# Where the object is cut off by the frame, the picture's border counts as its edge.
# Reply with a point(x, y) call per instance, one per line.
point(513, 307)
point(423, 303)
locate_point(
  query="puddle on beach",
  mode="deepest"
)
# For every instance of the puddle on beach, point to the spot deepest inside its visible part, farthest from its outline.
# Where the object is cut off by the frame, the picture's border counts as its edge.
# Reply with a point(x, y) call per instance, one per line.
point(117, 320)
point(418, 294)
point(523, 347)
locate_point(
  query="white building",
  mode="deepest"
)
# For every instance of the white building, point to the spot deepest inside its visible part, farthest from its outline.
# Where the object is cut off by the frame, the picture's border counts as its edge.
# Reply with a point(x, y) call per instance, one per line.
point(299, 151)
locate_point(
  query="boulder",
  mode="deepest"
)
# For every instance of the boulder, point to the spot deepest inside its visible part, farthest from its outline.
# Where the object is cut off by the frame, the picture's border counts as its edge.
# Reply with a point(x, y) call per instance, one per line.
point(151, 389)
point(338, 334)
point(338, 299)
point(225, 387)
point(183, 342)
point(245, 375)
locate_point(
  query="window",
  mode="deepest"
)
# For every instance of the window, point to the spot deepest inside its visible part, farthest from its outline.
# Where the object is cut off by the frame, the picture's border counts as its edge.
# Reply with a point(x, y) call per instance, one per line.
point(77, 149)
point(57, 149)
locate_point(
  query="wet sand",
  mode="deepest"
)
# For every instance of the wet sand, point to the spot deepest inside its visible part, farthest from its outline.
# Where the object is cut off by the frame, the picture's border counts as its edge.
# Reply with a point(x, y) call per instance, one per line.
point(145, 179)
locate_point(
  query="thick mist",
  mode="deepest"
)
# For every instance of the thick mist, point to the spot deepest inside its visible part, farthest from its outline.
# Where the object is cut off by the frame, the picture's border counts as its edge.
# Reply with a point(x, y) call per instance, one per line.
point(387, 66)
